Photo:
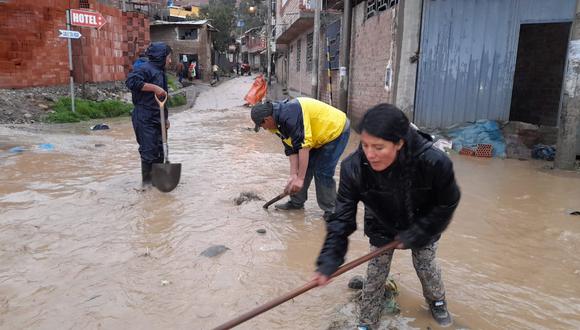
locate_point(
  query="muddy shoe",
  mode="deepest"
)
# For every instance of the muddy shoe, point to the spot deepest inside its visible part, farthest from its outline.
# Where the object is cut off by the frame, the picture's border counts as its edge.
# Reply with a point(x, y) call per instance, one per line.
point(288, 206)
point(440, 313)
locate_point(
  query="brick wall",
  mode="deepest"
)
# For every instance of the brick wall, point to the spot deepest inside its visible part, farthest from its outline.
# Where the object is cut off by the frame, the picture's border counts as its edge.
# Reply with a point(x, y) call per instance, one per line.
point(539, 73)
point(32, 54)
point(370, 54)
point(201, 46)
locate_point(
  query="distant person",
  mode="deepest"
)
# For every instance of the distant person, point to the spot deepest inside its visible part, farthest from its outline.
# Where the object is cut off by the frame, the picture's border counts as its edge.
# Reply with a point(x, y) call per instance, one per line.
point(145, 81)
point(215, 69)
point(314, 135)
point(409, 194)
point(181, 72)
point(192, 70)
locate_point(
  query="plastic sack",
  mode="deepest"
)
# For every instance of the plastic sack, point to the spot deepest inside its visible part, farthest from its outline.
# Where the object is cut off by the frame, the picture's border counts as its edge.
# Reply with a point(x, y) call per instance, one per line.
point(257, 92)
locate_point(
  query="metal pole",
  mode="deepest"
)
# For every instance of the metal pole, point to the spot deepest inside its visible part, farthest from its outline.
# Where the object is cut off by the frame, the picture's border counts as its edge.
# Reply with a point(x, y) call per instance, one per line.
point(70, 64)
point(570, 113)
point(268, 38)
point(316, 48)
point(344, 55)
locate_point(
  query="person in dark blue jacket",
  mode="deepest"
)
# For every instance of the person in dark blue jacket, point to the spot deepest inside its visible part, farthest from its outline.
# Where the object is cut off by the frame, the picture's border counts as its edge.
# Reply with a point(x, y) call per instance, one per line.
point(145, 81)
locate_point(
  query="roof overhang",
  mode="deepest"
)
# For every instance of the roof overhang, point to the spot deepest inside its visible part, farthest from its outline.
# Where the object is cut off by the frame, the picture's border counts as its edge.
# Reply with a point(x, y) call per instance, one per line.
point(304, 22)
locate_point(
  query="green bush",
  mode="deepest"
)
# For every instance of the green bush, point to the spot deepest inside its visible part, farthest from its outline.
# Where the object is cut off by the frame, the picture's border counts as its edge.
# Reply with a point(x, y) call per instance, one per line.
point(86, 110)
point(171, 82)
point(176, 100)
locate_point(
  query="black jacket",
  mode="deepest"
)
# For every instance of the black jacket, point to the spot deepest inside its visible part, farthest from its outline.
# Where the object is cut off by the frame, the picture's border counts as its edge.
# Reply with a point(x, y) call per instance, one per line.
point(434, 196)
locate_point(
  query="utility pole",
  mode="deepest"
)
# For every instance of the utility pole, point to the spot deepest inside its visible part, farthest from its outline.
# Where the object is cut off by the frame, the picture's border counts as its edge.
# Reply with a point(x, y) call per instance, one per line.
point(344, 56)
point(316, 48)
point(570, 112)
point(70, 64)
point(268, 39)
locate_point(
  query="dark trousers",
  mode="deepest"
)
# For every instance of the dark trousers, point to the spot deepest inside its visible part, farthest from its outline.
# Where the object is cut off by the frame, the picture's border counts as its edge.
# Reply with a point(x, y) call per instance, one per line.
point(321, 166)
point(147, 127)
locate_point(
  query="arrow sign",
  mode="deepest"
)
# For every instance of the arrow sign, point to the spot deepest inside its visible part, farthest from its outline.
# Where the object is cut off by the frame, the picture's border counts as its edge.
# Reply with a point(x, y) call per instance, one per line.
point(87, 18)
point(69, 34)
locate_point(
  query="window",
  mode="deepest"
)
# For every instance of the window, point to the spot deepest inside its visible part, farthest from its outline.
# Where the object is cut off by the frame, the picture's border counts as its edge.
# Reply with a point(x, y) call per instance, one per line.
point(375, 6)
point(84, 4)
point(186, 34)
point(309, 41)
point(298, 54)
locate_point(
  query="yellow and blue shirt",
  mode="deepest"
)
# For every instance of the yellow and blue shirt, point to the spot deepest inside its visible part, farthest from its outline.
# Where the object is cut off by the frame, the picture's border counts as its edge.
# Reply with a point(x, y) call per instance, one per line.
point(306, 123)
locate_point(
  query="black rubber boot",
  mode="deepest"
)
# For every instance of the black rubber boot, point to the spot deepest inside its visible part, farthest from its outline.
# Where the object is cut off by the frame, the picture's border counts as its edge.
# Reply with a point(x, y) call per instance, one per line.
point(440, 313)
point(288, 206)
point(146, 173)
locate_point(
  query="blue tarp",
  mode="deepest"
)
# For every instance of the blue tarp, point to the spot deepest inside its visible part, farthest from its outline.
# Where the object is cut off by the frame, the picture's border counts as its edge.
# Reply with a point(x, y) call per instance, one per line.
point(479, 132)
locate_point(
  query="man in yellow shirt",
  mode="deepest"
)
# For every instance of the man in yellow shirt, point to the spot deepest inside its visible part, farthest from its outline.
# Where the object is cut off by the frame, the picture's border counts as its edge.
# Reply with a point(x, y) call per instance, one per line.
point(314, 135)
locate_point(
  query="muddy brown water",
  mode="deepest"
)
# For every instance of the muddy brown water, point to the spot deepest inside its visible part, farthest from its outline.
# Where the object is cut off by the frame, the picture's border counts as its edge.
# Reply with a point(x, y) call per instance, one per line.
point(81, 248)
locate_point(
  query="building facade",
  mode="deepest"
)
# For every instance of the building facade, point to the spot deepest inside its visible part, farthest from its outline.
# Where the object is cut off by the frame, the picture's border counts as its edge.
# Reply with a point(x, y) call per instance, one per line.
point(191, 41)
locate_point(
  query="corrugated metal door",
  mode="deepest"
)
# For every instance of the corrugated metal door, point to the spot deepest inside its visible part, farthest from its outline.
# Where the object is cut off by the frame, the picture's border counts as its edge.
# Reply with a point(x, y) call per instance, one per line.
point(468, 55)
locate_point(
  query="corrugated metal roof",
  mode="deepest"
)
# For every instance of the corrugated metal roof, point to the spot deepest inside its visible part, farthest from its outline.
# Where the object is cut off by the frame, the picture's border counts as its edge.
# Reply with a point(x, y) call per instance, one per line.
point(196, 23)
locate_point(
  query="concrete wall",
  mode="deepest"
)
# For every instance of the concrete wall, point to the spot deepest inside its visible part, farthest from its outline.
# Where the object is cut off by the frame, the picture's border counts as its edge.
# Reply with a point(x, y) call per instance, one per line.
point(201, 46)
point(32, 54)
point(299, 79)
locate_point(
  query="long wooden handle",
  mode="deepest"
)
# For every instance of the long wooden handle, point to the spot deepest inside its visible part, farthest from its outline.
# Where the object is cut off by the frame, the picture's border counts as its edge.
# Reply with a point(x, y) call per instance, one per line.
point(163, 127)
point(296, 292)
point(274, 200)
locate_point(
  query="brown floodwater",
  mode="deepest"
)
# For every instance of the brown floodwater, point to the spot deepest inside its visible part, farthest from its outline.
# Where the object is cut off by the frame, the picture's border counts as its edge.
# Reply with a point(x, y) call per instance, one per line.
point(82, 248)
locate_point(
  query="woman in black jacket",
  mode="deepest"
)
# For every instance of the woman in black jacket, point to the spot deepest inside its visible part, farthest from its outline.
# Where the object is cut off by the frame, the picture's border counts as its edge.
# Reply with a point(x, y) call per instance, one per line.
point(409, 192)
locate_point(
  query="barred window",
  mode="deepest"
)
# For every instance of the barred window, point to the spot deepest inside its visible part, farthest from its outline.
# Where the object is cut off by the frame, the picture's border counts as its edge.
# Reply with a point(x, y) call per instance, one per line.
point(309, 42)
point(376, 6)
point(84, 4)
point(298, 54)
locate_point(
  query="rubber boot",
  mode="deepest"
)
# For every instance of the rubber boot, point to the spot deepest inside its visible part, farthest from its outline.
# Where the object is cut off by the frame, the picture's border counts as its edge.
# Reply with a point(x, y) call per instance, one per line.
point(440, 313)
point(146, 173)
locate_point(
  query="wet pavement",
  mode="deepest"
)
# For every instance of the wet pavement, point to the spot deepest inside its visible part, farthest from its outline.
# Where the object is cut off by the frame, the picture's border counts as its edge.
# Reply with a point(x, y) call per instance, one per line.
point(82, 248)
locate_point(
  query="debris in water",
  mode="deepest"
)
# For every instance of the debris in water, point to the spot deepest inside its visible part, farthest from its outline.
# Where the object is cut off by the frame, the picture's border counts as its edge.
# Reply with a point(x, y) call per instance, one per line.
point(574, 213)
point(98, 145)
point(99, 127)
point(46, 146)
point(214, 251)
point(146, 254)
point(247, 197)
point(165, 282)
point(16, 150)
point(261, 231)
point(356, 283)
point(93, 297)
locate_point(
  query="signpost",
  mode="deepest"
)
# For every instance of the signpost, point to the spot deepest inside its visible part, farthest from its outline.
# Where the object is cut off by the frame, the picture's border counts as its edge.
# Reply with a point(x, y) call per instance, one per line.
point(78, 17)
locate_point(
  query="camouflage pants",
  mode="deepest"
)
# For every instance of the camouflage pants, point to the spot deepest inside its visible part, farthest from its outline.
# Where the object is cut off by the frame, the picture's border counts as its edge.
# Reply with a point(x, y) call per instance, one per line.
point(373, 296)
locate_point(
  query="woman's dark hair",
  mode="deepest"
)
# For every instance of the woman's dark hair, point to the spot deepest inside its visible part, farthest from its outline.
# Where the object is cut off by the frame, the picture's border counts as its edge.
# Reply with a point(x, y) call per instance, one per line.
point(388, 122)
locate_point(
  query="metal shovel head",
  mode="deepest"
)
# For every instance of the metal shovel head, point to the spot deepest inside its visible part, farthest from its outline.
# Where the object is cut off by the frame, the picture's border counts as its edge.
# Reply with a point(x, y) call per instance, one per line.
point(165, 176)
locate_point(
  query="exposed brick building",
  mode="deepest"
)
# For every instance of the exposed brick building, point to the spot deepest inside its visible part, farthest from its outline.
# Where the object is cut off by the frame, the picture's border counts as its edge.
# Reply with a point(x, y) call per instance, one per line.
point(32, 54)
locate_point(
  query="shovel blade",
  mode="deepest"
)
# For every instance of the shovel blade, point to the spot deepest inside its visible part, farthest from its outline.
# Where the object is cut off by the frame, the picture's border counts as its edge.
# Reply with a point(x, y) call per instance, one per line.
point(165, 176)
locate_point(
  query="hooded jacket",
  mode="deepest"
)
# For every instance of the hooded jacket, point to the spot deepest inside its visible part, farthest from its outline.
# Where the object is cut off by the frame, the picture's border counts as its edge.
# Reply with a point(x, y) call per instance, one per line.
point(434, 196)
point(152, 72)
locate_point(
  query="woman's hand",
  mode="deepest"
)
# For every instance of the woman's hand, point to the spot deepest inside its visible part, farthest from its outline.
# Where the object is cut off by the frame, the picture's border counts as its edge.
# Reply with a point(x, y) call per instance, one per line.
point(321, 279)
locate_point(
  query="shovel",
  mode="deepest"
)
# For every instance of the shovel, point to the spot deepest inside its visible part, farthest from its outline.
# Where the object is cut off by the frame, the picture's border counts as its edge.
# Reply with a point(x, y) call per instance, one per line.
point(165, 176)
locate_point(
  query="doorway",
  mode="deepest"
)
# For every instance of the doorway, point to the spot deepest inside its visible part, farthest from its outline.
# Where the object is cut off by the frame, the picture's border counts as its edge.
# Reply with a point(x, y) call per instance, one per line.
point(539, 73)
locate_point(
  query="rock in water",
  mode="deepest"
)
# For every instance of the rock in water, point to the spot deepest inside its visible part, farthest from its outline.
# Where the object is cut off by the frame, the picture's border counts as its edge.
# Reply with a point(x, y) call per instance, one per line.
point(214, 251)
point(261, 231)
point(356, 283)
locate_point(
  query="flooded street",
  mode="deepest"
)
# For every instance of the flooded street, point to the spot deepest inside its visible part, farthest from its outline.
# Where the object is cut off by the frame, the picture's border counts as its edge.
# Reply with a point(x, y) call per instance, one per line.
point(82, 248)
